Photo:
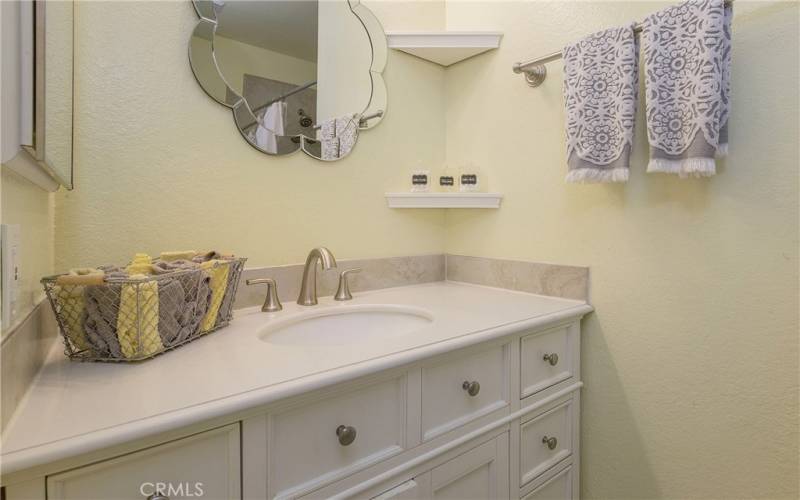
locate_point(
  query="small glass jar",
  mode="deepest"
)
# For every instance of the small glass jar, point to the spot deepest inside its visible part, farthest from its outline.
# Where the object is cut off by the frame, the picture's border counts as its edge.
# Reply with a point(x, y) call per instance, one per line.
point(446, 180)
point(420, 180)
point(471, 179)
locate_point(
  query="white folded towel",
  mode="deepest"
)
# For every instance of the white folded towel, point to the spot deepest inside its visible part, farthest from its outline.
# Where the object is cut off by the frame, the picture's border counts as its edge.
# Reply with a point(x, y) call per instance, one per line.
point(600, 92)
point(272, 125)
point(687, 51)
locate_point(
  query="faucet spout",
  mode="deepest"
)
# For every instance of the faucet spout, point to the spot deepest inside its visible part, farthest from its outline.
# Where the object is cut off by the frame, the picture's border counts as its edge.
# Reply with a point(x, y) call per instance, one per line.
point(308, 287)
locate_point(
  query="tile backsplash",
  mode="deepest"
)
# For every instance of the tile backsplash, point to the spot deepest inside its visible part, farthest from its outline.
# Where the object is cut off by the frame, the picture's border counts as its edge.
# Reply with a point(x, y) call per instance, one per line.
point(23, 352)
point(377, 273)
point(568, 282)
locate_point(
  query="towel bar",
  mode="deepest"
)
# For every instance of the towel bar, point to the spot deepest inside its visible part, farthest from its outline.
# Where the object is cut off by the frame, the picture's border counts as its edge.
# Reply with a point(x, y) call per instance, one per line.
point(535, 70)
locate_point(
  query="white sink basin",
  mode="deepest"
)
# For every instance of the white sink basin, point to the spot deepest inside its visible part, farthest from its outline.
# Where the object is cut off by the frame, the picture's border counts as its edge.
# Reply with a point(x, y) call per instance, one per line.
point(347, 325)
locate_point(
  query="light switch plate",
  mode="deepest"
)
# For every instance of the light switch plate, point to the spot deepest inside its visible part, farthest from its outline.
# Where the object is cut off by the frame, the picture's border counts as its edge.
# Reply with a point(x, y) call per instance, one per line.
point(10, 252)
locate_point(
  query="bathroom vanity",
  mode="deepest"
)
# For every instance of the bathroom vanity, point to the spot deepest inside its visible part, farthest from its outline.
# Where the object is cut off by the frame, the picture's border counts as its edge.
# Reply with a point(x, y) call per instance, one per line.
point(441, 390)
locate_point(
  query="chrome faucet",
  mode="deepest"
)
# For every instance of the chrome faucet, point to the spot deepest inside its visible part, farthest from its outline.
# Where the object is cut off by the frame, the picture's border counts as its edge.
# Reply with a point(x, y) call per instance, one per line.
point(308, 287)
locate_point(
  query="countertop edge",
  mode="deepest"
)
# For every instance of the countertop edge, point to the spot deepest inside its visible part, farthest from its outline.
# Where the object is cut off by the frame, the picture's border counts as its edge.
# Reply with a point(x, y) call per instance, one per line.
point(26, 458)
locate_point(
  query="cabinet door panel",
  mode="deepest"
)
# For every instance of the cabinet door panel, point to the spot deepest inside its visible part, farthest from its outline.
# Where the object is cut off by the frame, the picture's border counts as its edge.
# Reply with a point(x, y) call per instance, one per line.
point(480, 473)
point(559, 487)
point(409, 490)
point(204, 465)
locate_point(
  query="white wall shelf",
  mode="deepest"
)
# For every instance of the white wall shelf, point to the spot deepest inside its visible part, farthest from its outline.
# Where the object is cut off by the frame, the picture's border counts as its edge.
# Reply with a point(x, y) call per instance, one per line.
point(444, 200)
point(444, 47)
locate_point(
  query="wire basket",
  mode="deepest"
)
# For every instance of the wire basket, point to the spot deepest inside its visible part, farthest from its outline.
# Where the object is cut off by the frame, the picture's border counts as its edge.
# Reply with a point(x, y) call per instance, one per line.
point(129, 319)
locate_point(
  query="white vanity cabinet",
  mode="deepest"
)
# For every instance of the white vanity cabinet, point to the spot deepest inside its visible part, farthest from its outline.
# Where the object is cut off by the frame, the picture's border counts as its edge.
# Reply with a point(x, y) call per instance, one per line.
point(495, 419)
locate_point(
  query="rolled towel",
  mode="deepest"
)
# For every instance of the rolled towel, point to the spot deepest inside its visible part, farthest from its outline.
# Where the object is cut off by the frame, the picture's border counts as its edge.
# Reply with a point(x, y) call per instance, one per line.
point(687, 50)
point(137, 321)
point(102, 311)
point(600, 93)
point(198, 300)
point(177, 255)
point(218, 270)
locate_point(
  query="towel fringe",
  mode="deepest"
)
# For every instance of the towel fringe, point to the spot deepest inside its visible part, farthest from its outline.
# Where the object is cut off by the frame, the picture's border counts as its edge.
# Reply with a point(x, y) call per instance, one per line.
point(592, 175)
point(687, 167)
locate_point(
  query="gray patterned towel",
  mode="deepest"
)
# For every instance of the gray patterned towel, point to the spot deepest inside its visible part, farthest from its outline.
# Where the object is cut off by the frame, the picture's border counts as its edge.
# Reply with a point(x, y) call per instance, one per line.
point(600, 91)
point(687, 52)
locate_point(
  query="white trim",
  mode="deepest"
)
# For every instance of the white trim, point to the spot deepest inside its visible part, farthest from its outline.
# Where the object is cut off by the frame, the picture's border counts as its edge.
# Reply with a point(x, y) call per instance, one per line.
point(26, 166)
point(444, 200)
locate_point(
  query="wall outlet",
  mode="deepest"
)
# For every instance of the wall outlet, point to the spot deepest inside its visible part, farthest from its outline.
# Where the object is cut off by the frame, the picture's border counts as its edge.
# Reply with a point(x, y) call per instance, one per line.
point(10, 252)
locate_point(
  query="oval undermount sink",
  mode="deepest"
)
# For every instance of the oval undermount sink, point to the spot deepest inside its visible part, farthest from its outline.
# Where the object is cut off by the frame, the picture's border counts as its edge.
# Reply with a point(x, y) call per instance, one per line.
point(347, 325)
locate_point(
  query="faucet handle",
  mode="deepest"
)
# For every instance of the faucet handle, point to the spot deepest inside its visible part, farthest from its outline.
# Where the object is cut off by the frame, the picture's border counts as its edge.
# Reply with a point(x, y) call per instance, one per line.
point(343, 292)
point(272, 303)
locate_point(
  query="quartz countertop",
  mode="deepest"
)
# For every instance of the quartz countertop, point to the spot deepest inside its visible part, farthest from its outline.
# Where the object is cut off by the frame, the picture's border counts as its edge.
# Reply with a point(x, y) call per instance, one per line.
point(75, 407)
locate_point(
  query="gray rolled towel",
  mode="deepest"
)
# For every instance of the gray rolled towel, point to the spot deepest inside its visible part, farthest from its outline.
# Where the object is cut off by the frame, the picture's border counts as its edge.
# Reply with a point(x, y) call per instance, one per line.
point(183, 302)
point(100, 321)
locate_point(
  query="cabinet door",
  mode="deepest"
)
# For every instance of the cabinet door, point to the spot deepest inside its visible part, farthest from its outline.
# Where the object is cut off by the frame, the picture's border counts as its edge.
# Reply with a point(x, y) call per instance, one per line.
point(409, 490)
point(480, 473)
point(205, 465)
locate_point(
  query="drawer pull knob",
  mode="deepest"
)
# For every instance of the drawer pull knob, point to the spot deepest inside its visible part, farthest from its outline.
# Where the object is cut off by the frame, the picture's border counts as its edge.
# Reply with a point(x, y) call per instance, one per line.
point(551, 442)
point(551, 358)
point(472, 388)
point(157, 496)
point(346, 434)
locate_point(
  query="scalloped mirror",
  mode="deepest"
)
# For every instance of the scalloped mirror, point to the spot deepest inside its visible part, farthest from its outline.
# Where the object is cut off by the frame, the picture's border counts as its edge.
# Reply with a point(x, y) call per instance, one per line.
point(297, 74)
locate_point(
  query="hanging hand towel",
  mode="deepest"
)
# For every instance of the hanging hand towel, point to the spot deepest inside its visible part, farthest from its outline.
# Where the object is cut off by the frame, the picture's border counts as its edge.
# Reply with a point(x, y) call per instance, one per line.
point(273, 125)
point(687, 52)
point(600, 91)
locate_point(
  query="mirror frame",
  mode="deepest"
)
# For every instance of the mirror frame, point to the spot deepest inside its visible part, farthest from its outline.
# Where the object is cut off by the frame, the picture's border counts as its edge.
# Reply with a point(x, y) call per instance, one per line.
point(34, 141)
point(377, 44)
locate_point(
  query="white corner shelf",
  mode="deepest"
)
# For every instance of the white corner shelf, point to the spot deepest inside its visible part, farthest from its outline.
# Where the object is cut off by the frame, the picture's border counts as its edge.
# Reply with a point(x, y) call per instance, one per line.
point(444, 200)
point(444, 47)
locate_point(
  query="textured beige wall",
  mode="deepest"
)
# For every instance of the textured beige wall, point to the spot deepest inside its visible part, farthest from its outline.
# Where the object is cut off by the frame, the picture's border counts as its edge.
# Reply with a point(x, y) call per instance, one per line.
point(691, 359)
point(159, 165)
point(31, 207)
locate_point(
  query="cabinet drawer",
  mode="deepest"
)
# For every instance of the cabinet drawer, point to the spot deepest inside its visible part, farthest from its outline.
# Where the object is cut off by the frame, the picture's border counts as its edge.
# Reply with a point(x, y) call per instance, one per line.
point(305, 450)
point(458, 390)
point(546, 439)
point(204, 465)
point(558, 487)
point(548, 357)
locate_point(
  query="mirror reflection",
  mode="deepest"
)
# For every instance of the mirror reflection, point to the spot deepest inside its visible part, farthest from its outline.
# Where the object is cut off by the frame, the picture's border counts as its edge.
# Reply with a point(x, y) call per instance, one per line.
point(298, 74)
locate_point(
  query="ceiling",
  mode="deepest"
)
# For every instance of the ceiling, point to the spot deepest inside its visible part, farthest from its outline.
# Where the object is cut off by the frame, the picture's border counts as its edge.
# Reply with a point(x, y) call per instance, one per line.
point(285, 26)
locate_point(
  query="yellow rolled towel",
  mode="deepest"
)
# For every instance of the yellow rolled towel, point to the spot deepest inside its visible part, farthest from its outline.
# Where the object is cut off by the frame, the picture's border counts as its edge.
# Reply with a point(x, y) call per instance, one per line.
point(178, 255)
point(82, 276)
point(70, 295)
point(141, 264)
point(218, 270)
point(137, 321)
